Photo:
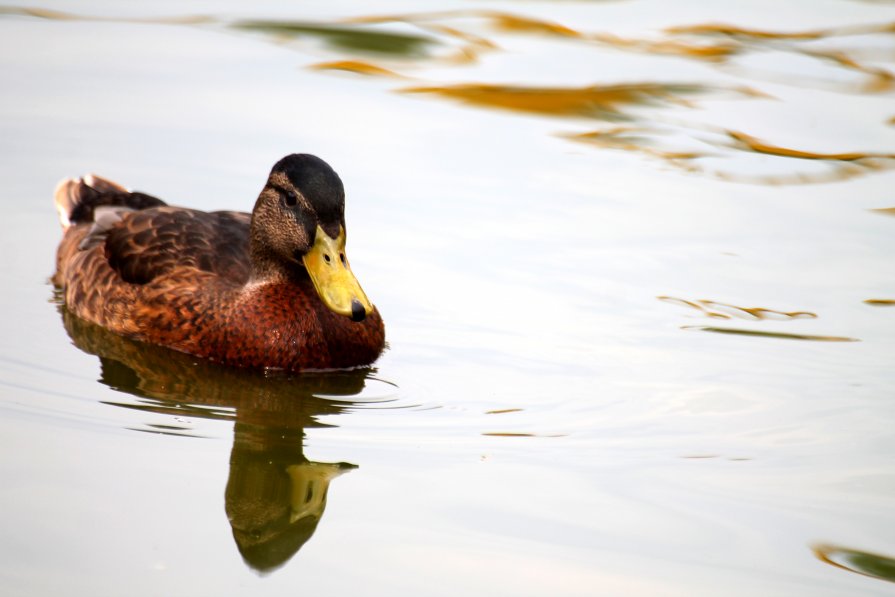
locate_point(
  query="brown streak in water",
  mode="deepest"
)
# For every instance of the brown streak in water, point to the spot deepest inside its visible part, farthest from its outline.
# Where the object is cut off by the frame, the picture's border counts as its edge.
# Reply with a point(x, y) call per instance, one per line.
point(618, 138)
point(43, 13)
point(759, 313)
point(474, 40)
point(503, 411)
point(514, 434)
point(715, 309)
point(881, 80)
point(464, 55)
point(686, 161)
point(753, 144)
point(595, 101)
point(880, 302)
point(712, 52)
point(357, 66)
point(514, 23)
point(502, 21)
point(761, 334)
point(622, 137)
point(517, 24)
point(57, 15)
point(734, 31)
point(414, 18)
point(607, 102)
point(884, 211)
point(693, 305)
point(840, 172)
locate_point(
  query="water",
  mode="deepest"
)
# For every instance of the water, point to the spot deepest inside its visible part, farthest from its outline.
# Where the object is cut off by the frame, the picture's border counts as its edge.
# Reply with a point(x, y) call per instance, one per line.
point(634, 267)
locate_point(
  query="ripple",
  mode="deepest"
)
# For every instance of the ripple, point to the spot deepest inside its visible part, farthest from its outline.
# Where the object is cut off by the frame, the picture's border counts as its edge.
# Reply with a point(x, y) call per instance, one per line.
point(347, 37)
point(170, 383)
point(358, 67)
point(820, 59)
point(859, 562)
point(604, 102)
point(716, 457)
point(764, 334)
point(720, 310)
point(752, 144)
point(520, 434)
point(878, 302)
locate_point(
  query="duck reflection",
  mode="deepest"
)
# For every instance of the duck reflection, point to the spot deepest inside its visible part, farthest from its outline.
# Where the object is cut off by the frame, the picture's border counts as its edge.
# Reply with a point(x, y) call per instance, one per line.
point(275, 497)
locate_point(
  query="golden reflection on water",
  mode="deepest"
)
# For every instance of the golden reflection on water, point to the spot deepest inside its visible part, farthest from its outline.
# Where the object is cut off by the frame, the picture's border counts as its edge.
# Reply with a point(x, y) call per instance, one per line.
point(275, 497)
point(459, 38)
point(715, 43)
point(840, 166)
point(720, 310)
point(358, 67)
point(880, 302)
point(605, 102)
point(766, 334)
point(520, 434)
point(58, 15)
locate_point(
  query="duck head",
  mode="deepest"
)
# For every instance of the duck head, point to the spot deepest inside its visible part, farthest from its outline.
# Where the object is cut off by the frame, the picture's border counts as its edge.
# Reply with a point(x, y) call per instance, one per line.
point(298, 224)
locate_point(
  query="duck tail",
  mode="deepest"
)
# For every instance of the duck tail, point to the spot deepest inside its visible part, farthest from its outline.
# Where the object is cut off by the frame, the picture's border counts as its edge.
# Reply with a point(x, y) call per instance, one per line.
point(76, 199)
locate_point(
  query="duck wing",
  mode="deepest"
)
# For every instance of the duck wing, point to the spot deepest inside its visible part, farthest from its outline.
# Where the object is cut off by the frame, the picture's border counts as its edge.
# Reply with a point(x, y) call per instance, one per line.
point(147, 244)
point(137, 238)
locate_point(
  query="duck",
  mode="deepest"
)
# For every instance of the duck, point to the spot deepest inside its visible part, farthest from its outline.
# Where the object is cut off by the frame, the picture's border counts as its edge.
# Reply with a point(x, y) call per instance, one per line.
point(268, 290)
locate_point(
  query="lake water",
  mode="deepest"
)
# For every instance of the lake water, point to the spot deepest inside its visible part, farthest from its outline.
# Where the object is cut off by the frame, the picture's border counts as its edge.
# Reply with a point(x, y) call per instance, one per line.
point(635, 260)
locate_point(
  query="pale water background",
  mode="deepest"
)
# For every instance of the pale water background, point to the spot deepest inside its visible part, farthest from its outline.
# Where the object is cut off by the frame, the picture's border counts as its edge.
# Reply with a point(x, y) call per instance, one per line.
point(637, 270)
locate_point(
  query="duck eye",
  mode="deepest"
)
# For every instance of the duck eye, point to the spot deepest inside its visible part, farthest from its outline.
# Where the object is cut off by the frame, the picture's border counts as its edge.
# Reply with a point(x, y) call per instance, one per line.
point(289, 198)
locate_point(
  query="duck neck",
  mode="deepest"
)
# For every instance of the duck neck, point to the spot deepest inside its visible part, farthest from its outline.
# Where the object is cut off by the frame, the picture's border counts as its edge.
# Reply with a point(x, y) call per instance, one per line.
point(268, 267)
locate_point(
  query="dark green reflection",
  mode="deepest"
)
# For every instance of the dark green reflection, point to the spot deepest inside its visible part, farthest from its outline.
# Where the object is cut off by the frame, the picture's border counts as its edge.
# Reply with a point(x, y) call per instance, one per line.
point(275, 497)
point(350, 38)
point(862, 562)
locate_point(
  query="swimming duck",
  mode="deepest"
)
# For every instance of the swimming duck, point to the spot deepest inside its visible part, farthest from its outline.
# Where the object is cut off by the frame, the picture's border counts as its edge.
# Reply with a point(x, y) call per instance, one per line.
point(273, 289)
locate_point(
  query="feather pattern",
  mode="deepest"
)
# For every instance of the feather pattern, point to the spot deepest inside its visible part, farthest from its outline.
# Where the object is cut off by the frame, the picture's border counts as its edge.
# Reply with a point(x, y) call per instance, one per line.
point(223, 285)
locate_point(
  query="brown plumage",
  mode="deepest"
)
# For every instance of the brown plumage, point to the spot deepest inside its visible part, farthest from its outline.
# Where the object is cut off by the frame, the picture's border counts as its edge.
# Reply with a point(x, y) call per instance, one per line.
point(270, 290)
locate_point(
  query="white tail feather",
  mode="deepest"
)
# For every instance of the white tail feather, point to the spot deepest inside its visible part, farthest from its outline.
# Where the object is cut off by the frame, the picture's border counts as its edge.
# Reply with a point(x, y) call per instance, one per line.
point(69, 194)
point(65, 200)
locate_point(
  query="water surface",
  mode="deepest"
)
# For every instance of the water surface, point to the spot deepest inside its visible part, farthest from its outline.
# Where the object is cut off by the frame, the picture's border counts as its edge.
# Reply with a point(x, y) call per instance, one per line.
point(634, 260)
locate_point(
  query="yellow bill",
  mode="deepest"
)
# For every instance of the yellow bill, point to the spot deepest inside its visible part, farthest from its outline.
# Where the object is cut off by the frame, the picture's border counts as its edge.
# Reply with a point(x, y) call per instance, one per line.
point(338, 288)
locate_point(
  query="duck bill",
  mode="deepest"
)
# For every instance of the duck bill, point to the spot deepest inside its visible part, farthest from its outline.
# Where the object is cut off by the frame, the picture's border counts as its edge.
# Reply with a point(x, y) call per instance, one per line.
point(331, 274)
